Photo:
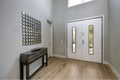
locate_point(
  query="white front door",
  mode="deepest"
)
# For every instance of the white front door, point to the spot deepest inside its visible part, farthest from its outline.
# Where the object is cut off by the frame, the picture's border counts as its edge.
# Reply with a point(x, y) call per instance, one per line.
point(84, 40)
point(74, 39)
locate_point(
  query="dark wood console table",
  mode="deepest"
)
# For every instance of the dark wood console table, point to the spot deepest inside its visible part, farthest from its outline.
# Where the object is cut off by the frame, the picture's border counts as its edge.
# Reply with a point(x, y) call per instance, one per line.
point(29, 57)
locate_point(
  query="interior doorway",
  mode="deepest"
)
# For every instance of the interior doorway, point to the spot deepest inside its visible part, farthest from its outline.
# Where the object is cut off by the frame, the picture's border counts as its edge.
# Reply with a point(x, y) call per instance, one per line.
point(50, 38)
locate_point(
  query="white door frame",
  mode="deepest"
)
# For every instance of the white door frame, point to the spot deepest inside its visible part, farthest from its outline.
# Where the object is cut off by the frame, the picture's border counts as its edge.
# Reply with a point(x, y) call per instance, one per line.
point(102, 33)
point(51, 26)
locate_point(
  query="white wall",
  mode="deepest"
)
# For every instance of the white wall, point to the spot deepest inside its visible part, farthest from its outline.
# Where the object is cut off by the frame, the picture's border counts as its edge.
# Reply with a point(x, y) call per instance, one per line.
point(114, 33)
point(62, 13)
point(10, 32)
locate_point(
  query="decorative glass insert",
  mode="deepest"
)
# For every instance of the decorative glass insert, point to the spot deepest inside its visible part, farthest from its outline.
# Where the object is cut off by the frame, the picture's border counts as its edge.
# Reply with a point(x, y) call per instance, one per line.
point(31, 30)
point(74, 39)
point(91, 40)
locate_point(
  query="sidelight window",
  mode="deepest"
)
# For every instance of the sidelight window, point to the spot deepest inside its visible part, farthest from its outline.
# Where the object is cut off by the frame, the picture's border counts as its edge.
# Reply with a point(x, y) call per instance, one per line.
point(91, 40)
point(74, 39)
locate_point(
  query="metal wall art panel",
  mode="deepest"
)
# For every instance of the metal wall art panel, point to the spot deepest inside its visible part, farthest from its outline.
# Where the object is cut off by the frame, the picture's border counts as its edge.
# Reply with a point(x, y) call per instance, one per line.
point(31, 30)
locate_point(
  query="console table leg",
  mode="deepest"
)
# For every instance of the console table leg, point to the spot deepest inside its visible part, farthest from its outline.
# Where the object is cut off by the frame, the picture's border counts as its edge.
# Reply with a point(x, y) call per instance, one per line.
point(42, 60)
point(27, 72)
point(46, 59)
point(21, 71)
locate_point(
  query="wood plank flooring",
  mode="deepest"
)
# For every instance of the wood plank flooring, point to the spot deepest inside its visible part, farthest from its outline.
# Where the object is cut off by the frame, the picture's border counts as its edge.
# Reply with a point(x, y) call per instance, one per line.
point(68, 69)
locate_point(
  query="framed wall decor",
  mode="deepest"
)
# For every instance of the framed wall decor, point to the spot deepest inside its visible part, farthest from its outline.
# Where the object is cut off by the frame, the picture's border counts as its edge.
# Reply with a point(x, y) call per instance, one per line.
point(31, 30)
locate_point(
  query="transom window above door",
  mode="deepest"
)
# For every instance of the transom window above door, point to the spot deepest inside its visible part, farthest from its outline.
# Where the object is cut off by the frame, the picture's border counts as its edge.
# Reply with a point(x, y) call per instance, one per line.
point(72, 3)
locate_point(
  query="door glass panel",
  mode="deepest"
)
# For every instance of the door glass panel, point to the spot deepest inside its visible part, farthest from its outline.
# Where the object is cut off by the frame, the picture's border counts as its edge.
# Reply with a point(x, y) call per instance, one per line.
point(74, 39)
point(91, 40)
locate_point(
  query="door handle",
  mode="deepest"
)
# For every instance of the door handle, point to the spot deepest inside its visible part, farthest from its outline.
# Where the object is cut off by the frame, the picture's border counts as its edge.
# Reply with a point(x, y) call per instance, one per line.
point(82, 42)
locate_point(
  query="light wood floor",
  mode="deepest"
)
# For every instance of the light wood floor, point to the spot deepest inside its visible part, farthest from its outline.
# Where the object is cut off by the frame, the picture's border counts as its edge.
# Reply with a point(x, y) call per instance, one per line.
point(68, 69)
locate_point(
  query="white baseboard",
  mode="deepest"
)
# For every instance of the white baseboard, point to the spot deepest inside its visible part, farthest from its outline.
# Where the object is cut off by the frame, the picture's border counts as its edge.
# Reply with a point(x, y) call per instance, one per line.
point(60, 56)
point(113, 69)
point(105, 62)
